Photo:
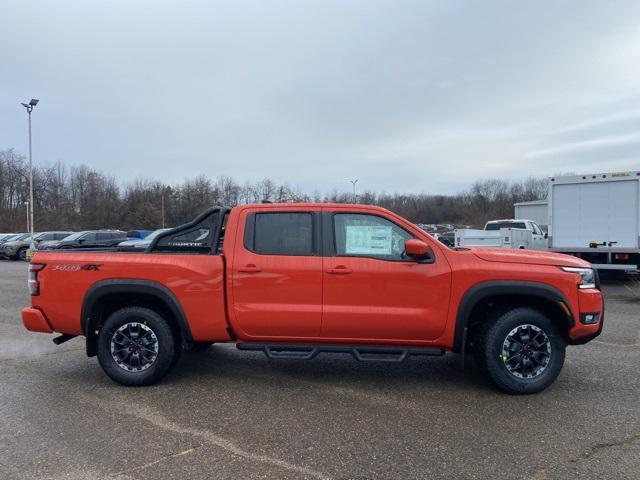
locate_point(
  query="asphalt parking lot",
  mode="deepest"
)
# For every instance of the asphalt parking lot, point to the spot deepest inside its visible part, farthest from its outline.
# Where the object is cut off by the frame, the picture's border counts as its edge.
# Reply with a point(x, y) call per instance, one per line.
point(223, 413)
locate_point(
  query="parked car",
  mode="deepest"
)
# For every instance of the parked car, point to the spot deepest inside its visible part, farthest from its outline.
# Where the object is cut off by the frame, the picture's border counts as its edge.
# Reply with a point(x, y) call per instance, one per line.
point(296, 280)
point(133, 245)
point(8, 247)
point(17, 249)
point(11, 236)
point(87, 239)
point(138, 234)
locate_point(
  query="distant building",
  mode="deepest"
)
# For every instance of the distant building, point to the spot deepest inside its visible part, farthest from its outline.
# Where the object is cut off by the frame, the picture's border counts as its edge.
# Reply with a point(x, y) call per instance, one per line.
point(536, 210)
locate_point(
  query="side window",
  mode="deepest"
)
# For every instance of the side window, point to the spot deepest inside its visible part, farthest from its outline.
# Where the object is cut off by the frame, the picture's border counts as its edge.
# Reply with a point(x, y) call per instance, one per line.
point(89, 237)
point(196, 238)
point(536, 228)
point(369, 236)
point(280, 233)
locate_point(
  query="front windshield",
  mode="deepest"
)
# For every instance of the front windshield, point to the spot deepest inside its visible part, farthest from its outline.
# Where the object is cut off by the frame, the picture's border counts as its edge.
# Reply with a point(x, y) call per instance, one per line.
point(24, 236)
point(10, 237)
point(499, 225)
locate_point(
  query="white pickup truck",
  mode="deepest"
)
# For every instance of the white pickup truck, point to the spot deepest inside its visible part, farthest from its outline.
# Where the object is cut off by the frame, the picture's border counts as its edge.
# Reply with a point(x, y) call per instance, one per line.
point(523, 234)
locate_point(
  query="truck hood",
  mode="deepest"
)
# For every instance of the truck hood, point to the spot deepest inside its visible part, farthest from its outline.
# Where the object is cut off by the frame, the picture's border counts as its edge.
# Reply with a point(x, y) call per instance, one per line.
point(531, 257)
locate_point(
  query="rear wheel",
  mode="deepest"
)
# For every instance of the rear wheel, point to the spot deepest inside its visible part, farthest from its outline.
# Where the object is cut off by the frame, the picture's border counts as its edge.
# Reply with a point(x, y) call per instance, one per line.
point(136, 346)
point(521, 352)
point(22, 254)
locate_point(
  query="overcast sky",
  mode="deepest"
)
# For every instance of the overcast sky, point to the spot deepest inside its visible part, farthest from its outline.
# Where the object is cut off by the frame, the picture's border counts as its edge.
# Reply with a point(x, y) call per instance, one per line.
point(414, 96)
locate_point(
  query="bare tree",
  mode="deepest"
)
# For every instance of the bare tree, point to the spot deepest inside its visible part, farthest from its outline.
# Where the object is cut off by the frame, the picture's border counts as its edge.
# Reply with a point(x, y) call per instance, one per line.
point(81, 197)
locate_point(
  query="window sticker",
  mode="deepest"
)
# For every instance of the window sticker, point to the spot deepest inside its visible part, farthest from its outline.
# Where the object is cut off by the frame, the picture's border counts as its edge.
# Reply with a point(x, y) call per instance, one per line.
point(368, 240)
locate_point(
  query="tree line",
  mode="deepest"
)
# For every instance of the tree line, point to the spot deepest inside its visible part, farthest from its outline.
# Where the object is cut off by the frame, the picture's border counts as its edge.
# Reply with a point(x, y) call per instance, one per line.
point(81, 197)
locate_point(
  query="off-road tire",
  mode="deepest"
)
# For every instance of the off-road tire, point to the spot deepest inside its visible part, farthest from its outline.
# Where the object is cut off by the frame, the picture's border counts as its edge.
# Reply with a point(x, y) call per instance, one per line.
point(491, 338)
point(162, 334)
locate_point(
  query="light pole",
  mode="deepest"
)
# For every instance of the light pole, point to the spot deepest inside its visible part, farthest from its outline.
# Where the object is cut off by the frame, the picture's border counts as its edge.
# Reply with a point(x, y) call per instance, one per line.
point(26, 204)
point(162, 207)
point(353, 182)
point(165, 190)
point(29, 106)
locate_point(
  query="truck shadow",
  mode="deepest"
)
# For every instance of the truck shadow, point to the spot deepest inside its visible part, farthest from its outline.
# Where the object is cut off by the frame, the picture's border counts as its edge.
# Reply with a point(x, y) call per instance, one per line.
point(226, 361)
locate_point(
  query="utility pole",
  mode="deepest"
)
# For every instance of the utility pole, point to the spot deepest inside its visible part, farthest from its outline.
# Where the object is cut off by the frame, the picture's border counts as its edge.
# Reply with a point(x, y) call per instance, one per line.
point(355, 197)
point(162, 207)
point(29, 106)
point(26, 204)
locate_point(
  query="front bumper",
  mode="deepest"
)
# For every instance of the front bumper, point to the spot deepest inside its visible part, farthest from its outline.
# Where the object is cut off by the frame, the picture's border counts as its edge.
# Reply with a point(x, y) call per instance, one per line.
point(590, 301)
point(35, 321)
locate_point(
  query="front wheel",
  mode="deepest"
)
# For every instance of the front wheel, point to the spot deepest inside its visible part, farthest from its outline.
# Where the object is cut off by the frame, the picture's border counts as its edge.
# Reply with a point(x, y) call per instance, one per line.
point(22, 254)
point(521, 352)
point(136, 346)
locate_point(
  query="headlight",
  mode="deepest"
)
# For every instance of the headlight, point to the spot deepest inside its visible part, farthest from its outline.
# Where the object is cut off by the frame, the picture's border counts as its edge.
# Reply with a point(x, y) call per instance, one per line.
point(587, 277)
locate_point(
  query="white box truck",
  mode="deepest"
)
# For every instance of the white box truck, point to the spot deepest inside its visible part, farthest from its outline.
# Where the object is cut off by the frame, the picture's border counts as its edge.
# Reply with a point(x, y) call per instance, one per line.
point(597, 217)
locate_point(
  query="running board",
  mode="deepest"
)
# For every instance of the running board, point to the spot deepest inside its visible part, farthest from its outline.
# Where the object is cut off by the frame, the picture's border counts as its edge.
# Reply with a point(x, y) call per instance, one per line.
point(362, 353)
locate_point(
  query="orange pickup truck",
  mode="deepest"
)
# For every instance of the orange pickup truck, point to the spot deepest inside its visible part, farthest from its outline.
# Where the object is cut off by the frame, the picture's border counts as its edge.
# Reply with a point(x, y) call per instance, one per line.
point(296, 280)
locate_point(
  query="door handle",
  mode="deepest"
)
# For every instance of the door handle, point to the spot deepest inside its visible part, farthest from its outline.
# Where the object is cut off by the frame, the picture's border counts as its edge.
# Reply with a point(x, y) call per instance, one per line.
point(250, 268)
point(339, 270)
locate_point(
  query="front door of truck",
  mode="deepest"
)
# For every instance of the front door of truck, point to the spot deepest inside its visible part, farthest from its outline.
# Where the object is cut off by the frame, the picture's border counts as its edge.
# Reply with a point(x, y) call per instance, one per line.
point(277, 275)
point(538, 240)
point(371, 290)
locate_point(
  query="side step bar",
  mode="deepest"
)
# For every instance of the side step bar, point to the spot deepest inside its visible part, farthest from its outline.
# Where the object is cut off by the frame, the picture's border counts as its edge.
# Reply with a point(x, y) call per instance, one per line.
point(362, 353)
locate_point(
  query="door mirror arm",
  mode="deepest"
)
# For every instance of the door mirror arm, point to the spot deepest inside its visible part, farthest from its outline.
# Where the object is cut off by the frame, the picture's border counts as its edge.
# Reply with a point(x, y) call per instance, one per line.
point(428, 257)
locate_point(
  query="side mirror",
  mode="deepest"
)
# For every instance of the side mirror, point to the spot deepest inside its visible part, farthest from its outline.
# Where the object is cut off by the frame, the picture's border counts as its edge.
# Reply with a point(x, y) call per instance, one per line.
point(546, 235)
point(417, 249)
point(81, 240)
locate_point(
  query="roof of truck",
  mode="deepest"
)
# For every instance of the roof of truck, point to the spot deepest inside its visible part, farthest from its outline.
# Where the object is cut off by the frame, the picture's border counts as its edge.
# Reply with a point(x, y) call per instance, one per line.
point(531, 202)
point(311, 205)
point(597, 177)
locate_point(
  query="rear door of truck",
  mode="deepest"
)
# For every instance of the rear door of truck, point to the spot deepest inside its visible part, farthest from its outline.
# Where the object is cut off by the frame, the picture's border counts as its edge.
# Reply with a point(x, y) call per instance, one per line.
point(602, 212)
point(276, 274)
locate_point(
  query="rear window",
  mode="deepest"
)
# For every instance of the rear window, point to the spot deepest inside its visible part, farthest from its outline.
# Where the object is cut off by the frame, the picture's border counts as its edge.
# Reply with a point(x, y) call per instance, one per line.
point(499, 225)
point(280, 233)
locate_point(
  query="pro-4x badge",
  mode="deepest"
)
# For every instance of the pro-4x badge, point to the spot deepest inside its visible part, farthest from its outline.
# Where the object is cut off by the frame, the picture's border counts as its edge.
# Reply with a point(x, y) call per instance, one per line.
point(91, 266)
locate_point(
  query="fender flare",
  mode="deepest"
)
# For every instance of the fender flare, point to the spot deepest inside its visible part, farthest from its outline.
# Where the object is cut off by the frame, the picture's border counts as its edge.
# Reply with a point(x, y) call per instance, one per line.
point(505, 288)
point(102, 288)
